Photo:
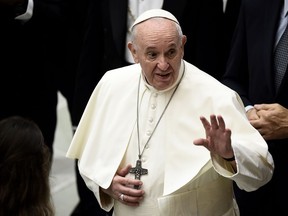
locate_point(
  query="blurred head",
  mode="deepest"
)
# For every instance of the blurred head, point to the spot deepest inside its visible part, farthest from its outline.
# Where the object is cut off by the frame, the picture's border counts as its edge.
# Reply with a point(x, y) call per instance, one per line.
point(24, 169)
point(158, 45)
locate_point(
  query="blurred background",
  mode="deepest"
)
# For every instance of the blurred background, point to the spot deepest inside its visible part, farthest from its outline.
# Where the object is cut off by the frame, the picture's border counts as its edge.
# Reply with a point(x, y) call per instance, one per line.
point(63, 181)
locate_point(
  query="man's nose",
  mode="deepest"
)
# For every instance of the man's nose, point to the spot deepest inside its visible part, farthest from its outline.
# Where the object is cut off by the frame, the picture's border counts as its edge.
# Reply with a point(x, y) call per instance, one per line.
point(163, 64)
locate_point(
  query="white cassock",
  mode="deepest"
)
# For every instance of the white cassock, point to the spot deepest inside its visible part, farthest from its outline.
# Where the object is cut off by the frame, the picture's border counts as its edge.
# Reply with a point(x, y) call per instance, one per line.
point(183, 179)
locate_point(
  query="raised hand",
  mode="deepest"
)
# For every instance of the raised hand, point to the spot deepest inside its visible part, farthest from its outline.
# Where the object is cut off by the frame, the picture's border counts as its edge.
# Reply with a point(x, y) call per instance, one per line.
point(218, 137)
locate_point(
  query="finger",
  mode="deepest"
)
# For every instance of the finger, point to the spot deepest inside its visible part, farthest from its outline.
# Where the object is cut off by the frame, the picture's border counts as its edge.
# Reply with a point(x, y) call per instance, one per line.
point(252, 115)
point(214, 122)
point(228, 132)
point(200, 141)
point(124, 171)
point(256, 124)
point(221, 122)
point(263, 106)
point(205, 123)
point(130, 200)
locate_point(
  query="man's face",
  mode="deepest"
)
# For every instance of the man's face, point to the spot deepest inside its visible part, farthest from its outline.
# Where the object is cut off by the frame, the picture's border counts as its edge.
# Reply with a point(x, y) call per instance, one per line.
point(159, 51)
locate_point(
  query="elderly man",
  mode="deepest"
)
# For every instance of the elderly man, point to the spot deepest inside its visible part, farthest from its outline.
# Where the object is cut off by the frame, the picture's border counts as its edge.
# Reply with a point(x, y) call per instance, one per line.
point(135, 139)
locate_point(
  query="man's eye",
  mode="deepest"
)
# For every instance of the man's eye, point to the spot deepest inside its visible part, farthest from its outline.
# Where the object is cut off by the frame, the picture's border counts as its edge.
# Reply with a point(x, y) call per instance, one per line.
point(151, 55)
point(171, 53)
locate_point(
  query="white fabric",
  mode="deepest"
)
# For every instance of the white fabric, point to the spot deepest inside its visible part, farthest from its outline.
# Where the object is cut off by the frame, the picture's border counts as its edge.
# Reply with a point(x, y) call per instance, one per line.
point(28, 14)
point(191, 181)
point(224, 5)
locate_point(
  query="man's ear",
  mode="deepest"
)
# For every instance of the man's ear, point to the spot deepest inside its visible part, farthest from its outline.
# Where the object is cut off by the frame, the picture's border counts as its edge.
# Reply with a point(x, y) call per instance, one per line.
point(133, 51)
point(184, 40)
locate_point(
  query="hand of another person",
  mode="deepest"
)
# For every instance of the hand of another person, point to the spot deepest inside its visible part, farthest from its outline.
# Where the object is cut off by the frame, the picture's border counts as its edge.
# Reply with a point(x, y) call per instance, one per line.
point(122, 185)
point(218, 137)
point(252, 114)
point(272, 122)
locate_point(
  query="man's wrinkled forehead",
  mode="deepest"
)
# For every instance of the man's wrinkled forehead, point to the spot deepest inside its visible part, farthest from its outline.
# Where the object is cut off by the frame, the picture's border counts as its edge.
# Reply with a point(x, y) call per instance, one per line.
point(153, 13)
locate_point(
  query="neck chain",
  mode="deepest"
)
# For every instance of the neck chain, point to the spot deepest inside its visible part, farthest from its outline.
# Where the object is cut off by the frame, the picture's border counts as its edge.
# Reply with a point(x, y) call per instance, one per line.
point(138, 170)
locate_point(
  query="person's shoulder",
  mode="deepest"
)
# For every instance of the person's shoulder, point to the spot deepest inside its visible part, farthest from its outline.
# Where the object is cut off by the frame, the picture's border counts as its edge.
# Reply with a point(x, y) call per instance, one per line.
point(124, 71)
point(197, 74)
point(121, 75)
point(203, 80)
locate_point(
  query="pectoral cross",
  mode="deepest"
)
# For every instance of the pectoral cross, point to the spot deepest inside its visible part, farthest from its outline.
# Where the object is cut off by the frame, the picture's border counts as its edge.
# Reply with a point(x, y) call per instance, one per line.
point(138, 171)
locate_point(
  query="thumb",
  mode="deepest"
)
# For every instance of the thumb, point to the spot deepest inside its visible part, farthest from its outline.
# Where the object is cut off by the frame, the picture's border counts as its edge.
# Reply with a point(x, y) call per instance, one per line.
point(124, 171)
